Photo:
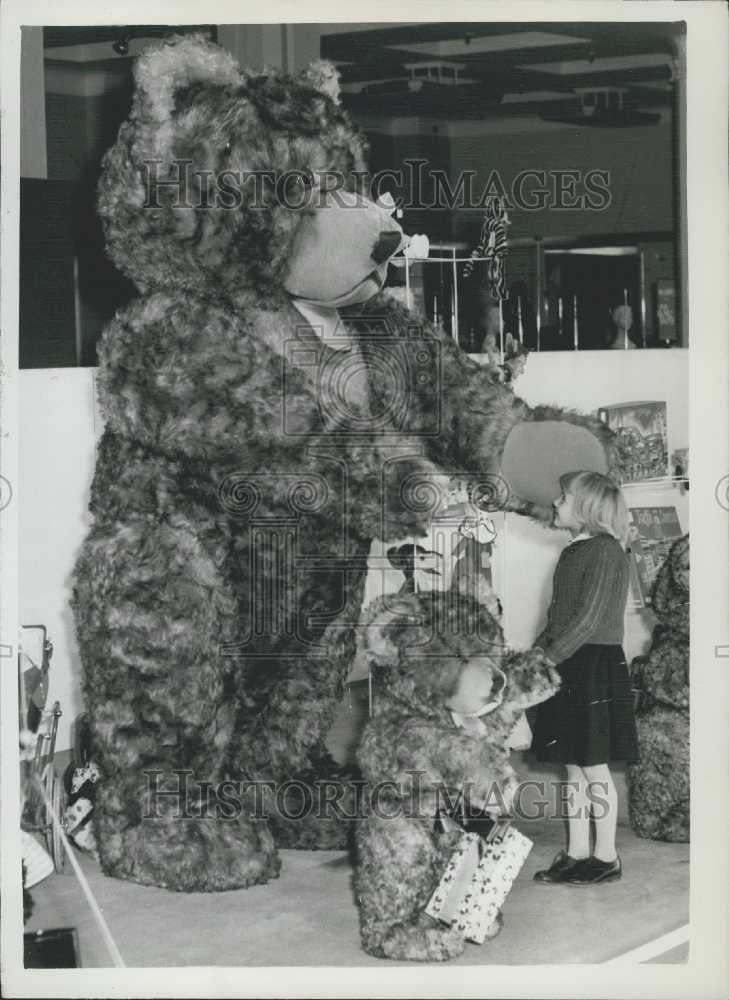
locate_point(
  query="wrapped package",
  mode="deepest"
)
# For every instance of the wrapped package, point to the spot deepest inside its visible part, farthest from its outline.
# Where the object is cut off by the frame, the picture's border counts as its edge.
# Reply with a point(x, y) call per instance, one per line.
point(477, 880)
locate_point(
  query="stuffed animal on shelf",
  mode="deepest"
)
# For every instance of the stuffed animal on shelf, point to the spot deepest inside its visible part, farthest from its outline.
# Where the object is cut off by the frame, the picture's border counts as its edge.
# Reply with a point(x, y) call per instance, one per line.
point(78, 815)
point(447, 697)
point(268, 412)
point(660, 782)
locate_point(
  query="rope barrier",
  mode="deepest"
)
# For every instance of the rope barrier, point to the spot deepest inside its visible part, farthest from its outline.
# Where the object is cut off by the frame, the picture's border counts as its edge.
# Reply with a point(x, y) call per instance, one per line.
point(83, 882)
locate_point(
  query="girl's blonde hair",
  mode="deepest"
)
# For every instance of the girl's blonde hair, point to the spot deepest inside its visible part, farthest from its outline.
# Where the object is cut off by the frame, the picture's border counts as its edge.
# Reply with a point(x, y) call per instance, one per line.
point(599, 505)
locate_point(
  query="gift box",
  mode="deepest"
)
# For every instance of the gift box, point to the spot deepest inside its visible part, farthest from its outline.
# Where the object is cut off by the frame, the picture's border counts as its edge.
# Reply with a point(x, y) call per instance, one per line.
point(477, 880)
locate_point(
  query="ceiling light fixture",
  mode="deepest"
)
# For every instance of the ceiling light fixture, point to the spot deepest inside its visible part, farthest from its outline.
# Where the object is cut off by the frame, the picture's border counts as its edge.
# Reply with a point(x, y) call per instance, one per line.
point(121, 45)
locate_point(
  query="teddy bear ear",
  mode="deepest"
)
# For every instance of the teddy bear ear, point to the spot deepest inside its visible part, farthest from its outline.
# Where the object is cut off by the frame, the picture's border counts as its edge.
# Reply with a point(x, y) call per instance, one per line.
point(323, 76)
point(178, 62)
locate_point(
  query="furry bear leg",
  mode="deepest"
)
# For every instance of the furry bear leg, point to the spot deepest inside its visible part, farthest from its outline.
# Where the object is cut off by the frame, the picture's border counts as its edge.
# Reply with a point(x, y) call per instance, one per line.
point(311, 804)
point(398, 867)
point(660, 784)
point(309, 797)
point(152, 611)
point(308, 815)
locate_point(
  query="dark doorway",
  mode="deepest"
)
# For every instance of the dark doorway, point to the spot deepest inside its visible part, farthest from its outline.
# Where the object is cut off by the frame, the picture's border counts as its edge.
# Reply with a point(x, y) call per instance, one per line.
point(583, 289)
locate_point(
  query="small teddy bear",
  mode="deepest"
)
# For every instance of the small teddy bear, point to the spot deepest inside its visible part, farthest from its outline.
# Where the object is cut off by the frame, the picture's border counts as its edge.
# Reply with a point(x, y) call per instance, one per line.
point(660, 782)
point(447, 696)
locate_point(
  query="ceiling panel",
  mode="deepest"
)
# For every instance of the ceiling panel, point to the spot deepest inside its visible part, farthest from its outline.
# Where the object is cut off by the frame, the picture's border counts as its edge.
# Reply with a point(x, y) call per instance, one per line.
point(506, 42)
point(60, 36)
point(482, 69)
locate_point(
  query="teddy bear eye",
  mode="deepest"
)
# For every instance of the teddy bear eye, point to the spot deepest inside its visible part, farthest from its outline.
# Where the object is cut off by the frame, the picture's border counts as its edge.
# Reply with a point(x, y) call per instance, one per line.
point(227, 148)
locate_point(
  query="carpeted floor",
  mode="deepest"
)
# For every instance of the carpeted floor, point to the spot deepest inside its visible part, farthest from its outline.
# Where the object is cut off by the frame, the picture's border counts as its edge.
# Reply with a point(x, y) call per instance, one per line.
point(308, 916)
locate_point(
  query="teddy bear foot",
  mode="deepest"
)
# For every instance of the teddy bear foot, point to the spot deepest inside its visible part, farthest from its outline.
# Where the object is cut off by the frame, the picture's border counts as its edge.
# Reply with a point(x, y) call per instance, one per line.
point(673, 826)
point(660, 798)
point(191, 855)
point(495, 928)
point(312, 833)
point(314, 815)
point(415, 943)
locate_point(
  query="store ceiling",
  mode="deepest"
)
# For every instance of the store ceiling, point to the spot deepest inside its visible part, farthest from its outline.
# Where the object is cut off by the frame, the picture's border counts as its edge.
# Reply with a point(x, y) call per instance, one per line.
point(583, 73)
point(590, 73)
point(62, 36)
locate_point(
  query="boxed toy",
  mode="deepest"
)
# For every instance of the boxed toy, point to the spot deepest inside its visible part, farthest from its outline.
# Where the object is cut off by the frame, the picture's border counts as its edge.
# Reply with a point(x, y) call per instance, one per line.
point(477, 880)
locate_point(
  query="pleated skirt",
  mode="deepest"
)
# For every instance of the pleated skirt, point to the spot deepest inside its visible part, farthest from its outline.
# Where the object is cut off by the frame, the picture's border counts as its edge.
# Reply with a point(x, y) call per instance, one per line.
point(591, 719)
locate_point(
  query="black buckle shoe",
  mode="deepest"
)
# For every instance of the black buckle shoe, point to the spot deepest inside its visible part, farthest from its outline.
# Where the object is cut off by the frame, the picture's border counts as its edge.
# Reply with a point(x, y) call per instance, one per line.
point(592, 871)
point(562, 866)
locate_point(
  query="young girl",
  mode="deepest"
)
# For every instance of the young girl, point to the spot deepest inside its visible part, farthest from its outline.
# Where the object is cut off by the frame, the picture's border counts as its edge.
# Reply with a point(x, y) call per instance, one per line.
point(590, 720)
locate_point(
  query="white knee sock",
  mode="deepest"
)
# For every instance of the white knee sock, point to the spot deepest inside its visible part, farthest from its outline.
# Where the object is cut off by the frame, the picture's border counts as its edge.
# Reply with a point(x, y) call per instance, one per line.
point(604, 801)
point(577, 805)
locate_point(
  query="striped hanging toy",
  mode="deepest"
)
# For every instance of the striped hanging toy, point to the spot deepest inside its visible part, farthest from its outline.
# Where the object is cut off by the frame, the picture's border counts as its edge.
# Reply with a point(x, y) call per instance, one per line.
point(492, 247)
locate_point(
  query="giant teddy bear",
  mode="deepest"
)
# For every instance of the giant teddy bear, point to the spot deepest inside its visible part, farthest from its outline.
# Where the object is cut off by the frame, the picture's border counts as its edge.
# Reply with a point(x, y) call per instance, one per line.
point(269, 411)
point(660, 782)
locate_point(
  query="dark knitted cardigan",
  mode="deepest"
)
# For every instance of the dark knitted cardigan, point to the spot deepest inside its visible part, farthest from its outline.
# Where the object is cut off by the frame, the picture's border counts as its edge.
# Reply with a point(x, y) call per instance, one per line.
point(589, 592)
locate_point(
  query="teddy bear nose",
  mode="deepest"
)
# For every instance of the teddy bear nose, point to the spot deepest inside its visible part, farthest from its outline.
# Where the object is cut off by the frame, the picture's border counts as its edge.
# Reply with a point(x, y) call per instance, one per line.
point(387, 244)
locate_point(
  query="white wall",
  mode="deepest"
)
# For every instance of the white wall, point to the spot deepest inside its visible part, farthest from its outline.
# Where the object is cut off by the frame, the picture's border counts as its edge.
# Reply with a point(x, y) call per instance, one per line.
point(585, 381)
point(57, 432)
point(60, 424)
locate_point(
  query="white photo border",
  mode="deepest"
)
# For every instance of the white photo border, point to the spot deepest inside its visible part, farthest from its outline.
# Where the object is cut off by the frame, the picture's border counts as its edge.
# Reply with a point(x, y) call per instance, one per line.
point(706, 974)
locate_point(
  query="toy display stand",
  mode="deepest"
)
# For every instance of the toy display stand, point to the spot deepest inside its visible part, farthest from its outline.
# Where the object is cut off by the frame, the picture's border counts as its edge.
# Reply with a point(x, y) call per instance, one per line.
point(439, 289)
point(39, 728)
